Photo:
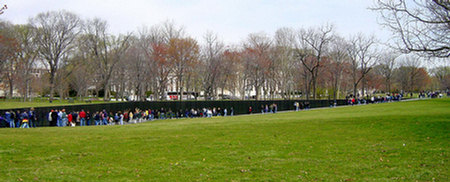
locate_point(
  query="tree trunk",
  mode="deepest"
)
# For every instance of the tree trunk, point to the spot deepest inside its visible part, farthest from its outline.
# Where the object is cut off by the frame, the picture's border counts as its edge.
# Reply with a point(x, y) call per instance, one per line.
point(26, 90)
point(52, 85)
point(105, 91)
point(363, 87)
point(314, 88)
point(389, 86)
point(11, 88)
point(29, 93)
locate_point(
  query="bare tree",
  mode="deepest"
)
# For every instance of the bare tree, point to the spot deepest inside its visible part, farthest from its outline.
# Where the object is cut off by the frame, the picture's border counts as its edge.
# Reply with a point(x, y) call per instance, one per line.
point(148, 43)
point(339, 61)
point(81, 79)
point(231, 61)
point(3, 8)
point(83, 74)
point(212, 60)
point(26, 35)
point(421, 26)
point(284, 55)
point(362, 56)
point(138, 69)
point(408, 73)
point(313, 42)
point(106, 49)
point(257, 50)
point(442, 74)
point(62, 82)
point(9, 50)
point(169, 30)
point(154, 43)
point(56, 33)
point(183, 53)
point(386, 68)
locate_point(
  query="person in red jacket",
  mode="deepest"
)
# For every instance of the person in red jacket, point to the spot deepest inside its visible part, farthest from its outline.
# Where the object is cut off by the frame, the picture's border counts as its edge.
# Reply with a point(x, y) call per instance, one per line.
point(70, 118)
point(82, 116)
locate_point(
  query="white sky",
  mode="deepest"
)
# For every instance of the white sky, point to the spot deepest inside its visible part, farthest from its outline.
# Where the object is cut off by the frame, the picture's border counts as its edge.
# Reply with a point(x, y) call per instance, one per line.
point(232, 20)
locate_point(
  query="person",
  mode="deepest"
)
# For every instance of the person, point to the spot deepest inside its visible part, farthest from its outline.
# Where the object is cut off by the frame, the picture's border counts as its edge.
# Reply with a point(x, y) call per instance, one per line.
point(137, 116)
point(146, 114)
point(130, 116)
point(17, 118)
point(9, 120)
point(151, 114)
point(54, 116)
point(97, 118)
point(63, 118)
point(125, 116)
point(49, 117)
point(25, 119)
point(210, 112)
point(297, 105)
point(219, 112)
point(225, 112)
point(232, 111)
point(70, 118)
point(120, 118)
point(116, 118)
point(88, 118)
point(250, 110)
point(110, 118)
point(32, 118)
point(82, 116)
point(104, 117)
point(59, 119)
point(75, 118)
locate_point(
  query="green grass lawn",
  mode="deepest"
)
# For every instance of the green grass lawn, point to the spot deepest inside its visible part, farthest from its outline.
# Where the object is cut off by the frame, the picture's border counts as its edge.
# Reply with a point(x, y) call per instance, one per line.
point(404, 141)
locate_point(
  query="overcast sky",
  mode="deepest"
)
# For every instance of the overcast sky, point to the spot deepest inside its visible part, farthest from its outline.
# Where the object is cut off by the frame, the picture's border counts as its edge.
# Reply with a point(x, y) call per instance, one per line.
point(232, 20)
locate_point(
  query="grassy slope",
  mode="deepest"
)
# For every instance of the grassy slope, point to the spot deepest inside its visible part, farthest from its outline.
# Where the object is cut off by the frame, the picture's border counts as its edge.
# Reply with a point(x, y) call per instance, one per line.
point(350, 143)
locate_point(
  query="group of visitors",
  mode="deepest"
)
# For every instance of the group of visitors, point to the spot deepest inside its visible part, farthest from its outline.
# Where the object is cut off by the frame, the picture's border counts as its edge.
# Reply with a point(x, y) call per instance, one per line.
point(19, 119)
point(373, 99)
point(272, 108)
point(424, 94)
point(301, 105)
point(61, 118)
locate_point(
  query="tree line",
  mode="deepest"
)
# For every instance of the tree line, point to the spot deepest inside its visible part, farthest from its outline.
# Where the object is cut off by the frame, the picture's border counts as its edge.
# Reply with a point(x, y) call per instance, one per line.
point(82, 57)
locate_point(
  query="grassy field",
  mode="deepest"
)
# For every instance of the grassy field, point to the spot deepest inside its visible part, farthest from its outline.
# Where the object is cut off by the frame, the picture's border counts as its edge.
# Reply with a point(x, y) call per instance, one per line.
point(405, 141)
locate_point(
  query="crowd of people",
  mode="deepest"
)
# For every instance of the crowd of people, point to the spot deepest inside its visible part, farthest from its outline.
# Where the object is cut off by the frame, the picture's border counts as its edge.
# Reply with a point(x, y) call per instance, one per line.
point(272, 108)
point(424, 94)
point(19, 119)
point(390, 97)
point(373, 99)
point(62, 118)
